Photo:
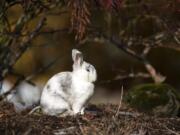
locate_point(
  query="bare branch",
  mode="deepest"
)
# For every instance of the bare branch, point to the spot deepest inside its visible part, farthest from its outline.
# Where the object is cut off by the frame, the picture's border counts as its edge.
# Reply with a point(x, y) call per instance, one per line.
point(121, 45)
point(25, 45)
point(128, 76)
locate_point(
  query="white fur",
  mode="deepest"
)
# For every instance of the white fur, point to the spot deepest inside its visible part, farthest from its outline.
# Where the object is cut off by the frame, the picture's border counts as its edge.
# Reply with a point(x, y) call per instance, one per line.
point(69, 92)
point(24, 96)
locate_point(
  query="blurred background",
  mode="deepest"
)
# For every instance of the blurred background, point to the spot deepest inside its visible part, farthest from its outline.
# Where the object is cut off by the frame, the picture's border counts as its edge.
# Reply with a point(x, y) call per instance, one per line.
point(129, 42)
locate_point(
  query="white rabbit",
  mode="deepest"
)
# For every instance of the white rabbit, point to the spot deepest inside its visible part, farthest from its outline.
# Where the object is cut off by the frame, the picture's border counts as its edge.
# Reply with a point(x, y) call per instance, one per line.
point(68, 92)
point(24, 96)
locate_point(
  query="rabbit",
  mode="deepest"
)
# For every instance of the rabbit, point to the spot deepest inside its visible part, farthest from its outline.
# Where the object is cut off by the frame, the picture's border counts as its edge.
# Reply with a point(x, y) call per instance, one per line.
point(67, 93)
point(25, 95)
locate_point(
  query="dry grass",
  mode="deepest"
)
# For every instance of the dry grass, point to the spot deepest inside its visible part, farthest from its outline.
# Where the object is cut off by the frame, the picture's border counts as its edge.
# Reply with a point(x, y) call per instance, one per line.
point(102, 120)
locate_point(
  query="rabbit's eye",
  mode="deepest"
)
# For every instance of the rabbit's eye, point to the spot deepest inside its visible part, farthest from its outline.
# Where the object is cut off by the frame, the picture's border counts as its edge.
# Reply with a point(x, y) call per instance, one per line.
point(87, 69)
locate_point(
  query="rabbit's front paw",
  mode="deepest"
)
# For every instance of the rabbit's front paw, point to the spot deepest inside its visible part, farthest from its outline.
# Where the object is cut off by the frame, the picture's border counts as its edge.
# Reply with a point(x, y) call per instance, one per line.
point(76, 109)
point(82, 111)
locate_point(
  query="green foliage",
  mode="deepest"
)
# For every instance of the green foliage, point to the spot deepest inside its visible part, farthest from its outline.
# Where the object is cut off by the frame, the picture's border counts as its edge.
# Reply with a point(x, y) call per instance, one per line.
point(160, 99)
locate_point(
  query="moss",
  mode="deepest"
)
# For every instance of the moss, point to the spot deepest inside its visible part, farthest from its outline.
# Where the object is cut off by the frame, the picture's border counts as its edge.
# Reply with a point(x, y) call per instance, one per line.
point(154, 98)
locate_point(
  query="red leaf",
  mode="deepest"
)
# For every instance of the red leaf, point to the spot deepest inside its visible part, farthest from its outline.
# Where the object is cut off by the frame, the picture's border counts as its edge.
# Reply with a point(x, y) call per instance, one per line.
point(107, 4)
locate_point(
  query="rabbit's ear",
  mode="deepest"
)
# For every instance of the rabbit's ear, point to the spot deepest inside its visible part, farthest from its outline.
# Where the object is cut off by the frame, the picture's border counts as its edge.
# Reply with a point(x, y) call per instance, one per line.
point(77, 57)
point(74, 53)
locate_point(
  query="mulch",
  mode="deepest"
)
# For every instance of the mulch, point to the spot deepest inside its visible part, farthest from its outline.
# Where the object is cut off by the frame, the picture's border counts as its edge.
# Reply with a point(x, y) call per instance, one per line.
point(98, 120)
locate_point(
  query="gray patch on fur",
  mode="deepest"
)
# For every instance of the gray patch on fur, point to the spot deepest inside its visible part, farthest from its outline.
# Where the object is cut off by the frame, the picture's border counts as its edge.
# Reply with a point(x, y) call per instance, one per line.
point(48, 87)
point(66, 83)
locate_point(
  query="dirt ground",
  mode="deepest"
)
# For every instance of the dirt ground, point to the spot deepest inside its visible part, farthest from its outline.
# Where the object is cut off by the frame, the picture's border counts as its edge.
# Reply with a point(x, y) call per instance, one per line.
point(98, 120)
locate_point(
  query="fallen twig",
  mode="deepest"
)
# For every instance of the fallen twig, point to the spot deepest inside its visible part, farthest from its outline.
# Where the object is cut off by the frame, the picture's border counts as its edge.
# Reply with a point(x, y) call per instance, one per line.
point(120, 102)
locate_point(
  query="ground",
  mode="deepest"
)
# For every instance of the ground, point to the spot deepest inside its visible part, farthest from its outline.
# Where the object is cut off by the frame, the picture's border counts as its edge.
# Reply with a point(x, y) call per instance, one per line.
point(98, 120)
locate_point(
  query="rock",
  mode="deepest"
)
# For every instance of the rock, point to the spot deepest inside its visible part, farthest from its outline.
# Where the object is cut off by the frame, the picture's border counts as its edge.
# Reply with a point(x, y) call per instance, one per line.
point(156, 99)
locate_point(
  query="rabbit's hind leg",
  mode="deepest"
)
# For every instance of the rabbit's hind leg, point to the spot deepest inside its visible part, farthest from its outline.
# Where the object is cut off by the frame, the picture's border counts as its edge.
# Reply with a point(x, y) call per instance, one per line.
point(54, 111)
point(56, 107)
